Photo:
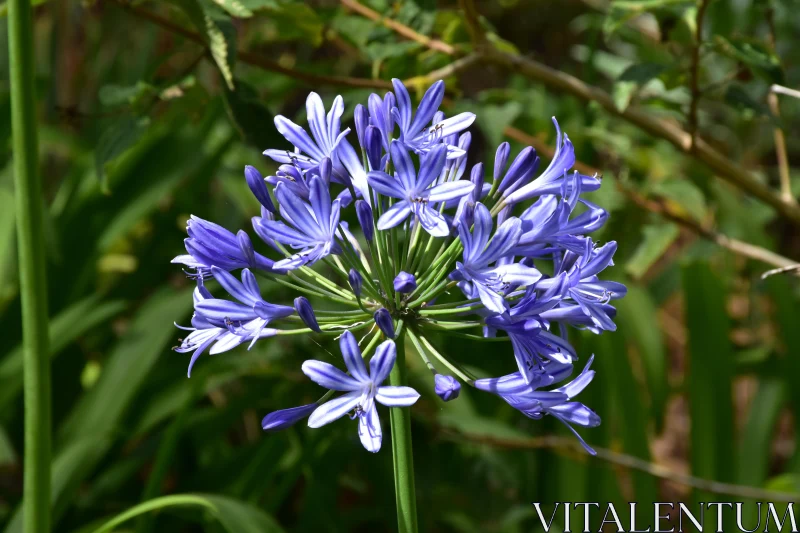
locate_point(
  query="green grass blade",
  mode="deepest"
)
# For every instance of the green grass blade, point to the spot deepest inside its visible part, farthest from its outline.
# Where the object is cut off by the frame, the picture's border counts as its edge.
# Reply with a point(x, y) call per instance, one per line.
point(709, 376)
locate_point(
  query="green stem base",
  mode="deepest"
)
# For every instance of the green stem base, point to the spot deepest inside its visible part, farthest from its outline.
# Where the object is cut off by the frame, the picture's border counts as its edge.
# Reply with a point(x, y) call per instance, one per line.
point(402, 455)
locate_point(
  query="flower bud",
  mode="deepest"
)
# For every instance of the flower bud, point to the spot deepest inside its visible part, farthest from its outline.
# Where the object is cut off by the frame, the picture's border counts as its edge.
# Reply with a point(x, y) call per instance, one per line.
point(373, 147)
point(361, 116)
point(325, 169)
point(284, 418)
point(384, 321)
point(446, 387)
point(356, 281)
point(520, 170)
point(306, 312)
point(364, 214)
point(405, 282)
point(256, 183)
point(500, 159)
point(246, 245)
point(476, 177)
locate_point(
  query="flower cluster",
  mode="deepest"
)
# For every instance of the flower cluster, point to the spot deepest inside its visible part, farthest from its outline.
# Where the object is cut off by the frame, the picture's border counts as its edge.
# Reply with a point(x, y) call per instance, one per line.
point(436, 252)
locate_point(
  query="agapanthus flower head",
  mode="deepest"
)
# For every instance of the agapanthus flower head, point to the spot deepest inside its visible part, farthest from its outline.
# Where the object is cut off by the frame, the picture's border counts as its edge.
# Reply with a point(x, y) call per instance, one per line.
point(441, 252)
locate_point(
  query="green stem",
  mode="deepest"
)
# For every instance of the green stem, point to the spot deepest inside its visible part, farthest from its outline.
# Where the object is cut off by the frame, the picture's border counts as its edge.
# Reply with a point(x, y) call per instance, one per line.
point(403, 459)
point(33, 288)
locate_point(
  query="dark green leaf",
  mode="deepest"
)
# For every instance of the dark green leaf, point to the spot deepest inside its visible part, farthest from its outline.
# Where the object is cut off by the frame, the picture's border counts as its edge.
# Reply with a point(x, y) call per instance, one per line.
point(756, 56)
point(709, 381)
point(251, 117)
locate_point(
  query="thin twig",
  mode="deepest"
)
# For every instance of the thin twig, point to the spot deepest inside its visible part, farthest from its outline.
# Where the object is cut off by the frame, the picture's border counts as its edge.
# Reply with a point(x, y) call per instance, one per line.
point(718, 162)
point(629, 461)
point(780, 151)
point(258, 60)
point(694, 71)
point(476, 32)
point(780, 89)
point(667, 210)
point(399, 28)
point(775, 108)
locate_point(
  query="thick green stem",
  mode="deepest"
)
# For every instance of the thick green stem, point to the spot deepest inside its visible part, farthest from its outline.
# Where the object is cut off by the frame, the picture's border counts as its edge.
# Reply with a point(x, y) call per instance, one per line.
point(403, 458)
point(33, 290)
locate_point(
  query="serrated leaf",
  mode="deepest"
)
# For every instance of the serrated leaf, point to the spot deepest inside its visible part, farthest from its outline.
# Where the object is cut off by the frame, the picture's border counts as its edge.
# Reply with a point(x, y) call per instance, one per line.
point(209, 18)
point(235, 8)
point(756, 56)
point(655, 241)
point(115, 141)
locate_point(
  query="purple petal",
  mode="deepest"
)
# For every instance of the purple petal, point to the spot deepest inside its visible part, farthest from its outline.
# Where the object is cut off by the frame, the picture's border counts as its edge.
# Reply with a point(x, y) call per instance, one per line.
point(328, 376)
point(382, 362)
point(284, 418)
point(394, 215)
point(369, 430)
point(352, 356)
point(333, 409)
point(450, 190)
point(386, 184)
point(427, 108)
point(397, 396)
point(298, 137)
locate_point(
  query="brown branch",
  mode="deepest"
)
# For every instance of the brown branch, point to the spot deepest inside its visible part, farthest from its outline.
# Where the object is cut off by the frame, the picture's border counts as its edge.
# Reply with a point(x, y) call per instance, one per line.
point(398, 28)
point(258, 60)
point(667, 210)
point(628, 461)
point(473, 23)
point(739, 247)
point(718, 162)
point(657, 127)
point(775, 108)
point(694, 71)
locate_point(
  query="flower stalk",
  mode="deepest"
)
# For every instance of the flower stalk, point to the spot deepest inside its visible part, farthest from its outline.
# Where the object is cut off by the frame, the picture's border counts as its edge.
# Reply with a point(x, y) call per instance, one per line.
point(33, 289)
point(402, 453)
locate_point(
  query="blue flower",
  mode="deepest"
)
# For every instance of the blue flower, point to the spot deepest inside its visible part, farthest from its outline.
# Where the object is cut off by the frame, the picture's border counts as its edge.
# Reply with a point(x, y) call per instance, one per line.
point(547, 227)
point(326, 131)
point(533, 344)
point(384, 321)
point(313, 225)
point(362, 389)
point(478, 275)
point(404, 283)
point(248, 318)
point(210, 245)
point(284, 418)
point(356, 281)
point(416, 133)
point(557, 402)
point(577, 279)
point(227, 324)
point(550, 181)
point(306, 313)
point(412, 190)
point(446, 387)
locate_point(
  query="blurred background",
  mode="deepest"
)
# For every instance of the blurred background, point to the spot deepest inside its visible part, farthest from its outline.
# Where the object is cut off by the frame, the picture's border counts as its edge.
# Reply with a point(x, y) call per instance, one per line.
point(149, 112)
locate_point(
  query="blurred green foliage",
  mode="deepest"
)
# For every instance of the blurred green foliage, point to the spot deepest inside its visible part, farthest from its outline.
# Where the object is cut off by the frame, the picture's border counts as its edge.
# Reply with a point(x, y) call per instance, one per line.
point(149, 112)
